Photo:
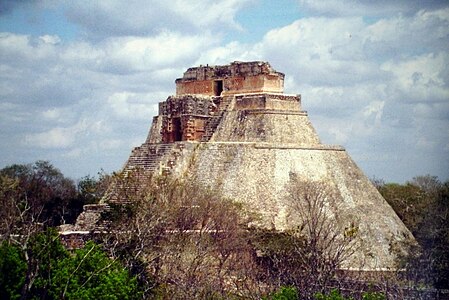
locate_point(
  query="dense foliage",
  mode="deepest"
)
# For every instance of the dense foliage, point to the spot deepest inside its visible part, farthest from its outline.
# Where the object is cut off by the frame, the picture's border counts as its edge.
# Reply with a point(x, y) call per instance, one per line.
point(48, 271)
point(39, 193)
point(423, 206)
point(12, 271)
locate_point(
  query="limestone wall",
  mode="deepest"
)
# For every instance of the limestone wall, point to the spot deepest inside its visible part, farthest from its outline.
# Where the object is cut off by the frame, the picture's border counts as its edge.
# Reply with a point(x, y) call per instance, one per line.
point(266, 126)
point(268, 101)
point(257, 175)
point(154, 134)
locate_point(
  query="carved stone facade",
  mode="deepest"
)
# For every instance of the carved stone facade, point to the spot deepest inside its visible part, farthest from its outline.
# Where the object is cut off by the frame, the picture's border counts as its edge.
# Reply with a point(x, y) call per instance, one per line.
point(204, 93)
point(232, 129)
point(184, 118)
point(235, 78)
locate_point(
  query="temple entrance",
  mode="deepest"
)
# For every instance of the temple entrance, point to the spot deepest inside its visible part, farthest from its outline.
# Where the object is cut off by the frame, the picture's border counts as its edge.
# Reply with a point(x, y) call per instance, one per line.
point(218, 87)
point(177, 130)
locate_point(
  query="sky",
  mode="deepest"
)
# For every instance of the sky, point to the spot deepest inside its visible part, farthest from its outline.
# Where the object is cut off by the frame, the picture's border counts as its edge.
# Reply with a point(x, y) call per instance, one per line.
point(80, 80)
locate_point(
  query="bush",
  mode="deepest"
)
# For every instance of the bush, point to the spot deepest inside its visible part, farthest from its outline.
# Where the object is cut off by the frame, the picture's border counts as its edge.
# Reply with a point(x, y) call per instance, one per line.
point(285, 293)
point(373, 296)
point(90, 274)
point(333, 295)
point(12, 271)
point(51, 272)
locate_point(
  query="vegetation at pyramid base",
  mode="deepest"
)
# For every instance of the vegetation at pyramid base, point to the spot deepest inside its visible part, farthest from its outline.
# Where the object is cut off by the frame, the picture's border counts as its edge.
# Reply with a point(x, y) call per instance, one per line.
point(423, 206)
point(39, 193)
point(12, 271)
point(291, 293)
point(175, 240)
point(46, 270)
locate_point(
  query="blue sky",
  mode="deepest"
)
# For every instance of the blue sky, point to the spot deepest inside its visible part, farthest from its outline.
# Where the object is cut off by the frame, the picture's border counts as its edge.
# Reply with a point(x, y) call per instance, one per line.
point(80, 80)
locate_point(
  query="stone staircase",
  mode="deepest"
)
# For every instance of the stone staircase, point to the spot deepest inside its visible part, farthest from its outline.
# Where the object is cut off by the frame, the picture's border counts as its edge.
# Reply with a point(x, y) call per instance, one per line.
point(151, 157)
point(147, 159)
point(215, 120)
point(90, 218)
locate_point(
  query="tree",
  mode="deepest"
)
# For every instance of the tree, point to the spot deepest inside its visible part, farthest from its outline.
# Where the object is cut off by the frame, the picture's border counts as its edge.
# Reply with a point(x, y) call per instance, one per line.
point(12, 271)
point(91, 190)
point(12, 212)
point(184, 241)
point(408, 201)
point(308, 256)
point(429, 184)
point(41, 193)
point(284, 293)
point(90, 274)
point(42, 255)
point(33, 197)
point(433, 236)
point(48, 271)
point(422, 204)
point(326, 246)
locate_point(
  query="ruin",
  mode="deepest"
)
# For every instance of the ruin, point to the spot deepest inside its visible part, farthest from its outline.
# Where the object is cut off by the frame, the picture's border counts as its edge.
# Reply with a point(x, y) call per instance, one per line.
point(233, 129)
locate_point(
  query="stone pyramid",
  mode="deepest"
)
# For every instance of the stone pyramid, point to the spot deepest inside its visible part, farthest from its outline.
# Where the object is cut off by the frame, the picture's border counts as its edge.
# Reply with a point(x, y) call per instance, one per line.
point(233, 129)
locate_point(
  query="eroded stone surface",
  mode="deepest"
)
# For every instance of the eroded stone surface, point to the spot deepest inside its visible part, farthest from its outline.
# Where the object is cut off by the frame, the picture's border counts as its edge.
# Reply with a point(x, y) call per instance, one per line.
point(235, 78)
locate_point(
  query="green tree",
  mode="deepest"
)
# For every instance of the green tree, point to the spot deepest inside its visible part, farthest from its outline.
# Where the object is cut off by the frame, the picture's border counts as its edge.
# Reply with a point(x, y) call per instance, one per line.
point(48, 271)
point(42, 256)
point(90, 274)
point(284, 293)
point(12, 271)
point(408, 201)
point(91, 189)
point(433, 236)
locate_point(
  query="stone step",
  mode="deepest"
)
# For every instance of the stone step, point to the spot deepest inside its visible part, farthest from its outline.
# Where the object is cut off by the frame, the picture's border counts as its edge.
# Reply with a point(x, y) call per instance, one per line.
point(153, 157)
point(213, 123)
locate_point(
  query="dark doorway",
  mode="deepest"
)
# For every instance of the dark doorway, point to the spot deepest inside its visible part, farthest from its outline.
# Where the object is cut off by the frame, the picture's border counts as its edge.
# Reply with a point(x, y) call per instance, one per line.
point(218, 87)
point(177, 130)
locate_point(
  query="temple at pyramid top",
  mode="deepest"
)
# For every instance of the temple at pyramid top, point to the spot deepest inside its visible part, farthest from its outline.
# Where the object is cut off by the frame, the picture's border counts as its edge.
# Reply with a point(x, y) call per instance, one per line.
point(235, 78)
point(205, 93)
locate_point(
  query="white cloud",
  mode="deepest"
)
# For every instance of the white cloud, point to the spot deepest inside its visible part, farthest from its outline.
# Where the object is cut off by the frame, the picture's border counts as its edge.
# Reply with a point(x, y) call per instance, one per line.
point(339, 136)
point(63, 137)
point(24, 49)
point(131, 106)
point(53, 138)
point(129, 54)
point(413, 27)
point(371, 86)
point(420, 78)
point(232, 51)
point(375, 109)
point(151, 17)
point(167, 48)
point(367, 7)
point(51, 114)
point(424, 143)
point(111, 144)
point(50, 39)
point(75, 153)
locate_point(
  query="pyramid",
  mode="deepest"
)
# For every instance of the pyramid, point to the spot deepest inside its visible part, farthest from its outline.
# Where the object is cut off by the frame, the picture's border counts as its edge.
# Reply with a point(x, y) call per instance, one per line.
point(231, 128)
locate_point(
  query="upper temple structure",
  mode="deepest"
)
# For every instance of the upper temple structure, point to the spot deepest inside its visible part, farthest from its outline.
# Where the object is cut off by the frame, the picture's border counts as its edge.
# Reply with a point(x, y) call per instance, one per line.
point(231, 128)
point(236, 78)
point(204, 93)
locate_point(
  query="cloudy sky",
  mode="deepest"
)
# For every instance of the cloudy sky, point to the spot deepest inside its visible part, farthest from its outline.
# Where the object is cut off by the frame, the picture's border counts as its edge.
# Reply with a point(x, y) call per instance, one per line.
point(80, 80)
